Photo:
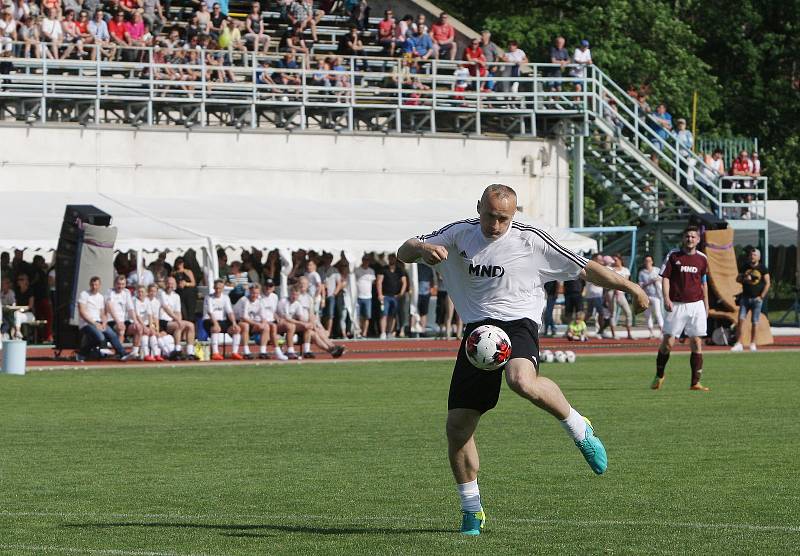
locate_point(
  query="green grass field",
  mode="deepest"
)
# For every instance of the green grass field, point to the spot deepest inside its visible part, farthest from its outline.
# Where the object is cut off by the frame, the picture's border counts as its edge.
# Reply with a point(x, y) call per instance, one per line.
point(350, 458)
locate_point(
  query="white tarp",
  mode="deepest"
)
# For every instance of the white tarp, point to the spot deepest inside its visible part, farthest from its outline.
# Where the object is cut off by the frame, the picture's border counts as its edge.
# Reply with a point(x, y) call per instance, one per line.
point(782, 225)
point(243, 222)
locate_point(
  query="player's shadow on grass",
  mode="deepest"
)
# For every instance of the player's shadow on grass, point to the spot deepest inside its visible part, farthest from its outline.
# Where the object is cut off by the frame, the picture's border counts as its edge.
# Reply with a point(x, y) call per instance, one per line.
point(252, 530)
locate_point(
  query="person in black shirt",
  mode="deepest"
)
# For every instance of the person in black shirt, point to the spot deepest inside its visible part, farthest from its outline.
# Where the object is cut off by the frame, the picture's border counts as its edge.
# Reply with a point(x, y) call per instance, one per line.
point(755, 281)
point(392, 283)
point(573, 299)
point(41, 292)
point(426, 285)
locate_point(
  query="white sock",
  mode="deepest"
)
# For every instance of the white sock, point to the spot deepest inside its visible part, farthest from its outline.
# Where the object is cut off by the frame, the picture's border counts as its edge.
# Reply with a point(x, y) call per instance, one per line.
point(135, 350)
point(279, 352)
point(154, 345)
point(575, 425)
point(178, 347)
point(306, 347)
point(190, 349)
point(215, 342)
point(470, 496)
point(246, 347)
point(237, 339)
point(145, 348)
point(262, 349)
point(289, 350)
point(167, 343)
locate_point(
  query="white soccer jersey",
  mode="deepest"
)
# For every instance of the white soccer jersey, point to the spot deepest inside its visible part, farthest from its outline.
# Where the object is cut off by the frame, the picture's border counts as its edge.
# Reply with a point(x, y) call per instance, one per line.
point(650, 282)
point(171, 301)
point(290, 309)
point(153, 307)
point(218, 307)
point(250, 310)
point(307, 304)
point(270, 304)
point(93, 304)
point(121, 304)
point(142, 308)
point(502, 278)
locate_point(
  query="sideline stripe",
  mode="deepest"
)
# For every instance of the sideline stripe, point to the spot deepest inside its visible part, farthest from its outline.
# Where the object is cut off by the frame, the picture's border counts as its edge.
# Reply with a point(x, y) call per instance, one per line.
point(391, 519)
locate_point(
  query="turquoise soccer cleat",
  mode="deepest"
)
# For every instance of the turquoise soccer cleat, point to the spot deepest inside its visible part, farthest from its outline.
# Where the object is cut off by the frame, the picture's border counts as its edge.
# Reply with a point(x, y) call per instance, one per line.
point(593, 450)
point(472, 522)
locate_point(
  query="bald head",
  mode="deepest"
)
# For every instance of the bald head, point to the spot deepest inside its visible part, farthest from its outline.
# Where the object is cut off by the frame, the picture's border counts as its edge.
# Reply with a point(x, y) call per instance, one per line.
point(496, 208)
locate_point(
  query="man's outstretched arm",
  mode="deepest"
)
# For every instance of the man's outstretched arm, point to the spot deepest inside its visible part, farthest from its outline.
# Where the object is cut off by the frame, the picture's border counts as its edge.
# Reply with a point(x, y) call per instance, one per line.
point(602, 276)
point(413, 250)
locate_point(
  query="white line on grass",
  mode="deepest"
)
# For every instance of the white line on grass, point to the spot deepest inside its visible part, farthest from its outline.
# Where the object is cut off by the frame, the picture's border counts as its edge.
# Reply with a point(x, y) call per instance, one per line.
point(393, 519)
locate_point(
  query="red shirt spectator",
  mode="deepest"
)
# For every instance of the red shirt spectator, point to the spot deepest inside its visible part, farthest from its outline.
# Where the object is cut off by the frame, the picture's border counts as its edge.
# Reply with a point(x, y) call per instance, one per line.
point(742, 165)
point(442, 32)
point(116, 27)
point(474, 53)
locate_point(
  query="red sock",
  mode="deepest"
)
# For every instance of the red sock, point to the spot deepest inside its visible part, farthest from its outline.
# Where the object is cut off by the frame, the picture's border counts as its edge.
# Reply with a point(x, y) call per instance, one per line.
point(696, 361)
point(661, 363)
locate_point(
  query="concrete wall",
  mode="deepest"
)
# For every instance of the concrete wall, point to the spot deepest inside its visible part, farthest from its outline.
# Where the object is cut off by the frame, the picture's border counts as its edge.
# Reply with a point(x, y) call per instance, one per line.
point(172, 162)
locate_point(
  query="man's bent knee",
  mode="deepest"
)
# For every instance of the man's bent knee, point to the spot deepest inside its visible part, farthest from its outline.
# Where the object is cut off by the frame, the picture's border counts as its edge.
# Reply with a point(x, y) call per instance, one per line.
point(461, 424)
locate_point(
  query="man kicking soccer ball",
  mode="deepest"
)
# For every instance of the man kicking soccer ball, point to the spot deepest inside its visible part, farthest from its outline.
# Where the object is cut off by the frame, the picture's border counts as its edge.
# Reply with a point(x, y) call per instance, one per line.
point(685, 292)
point(495, 271)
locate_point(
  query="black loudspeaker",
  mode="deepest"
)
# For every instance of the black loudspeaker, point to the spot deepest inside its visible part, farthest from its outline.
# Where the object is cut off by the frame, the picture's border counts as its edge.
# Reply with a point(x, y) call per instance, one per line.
point(707, 221)
point(65, 335)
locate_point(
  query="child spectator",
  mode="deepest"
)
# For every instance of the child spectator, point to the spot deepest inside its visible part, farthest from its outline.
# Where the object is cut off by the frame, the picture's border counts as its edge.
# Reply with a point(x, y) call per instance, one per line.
point(576, 331)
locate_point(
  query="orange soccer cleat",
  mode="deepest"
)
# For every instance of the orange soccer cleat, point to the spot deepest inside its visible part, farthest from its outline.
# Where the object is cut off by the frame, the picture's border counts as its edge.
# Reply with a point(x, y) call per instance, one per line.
point(699, 387)
point(236, 356)
point(217, 357)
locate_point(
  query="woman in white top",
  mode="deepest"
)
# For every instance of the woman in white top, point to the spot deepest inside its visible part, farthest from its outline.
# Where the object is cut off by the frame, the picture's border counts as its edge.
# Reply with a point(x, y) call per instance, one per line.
point(618, 299)
point(650, 280)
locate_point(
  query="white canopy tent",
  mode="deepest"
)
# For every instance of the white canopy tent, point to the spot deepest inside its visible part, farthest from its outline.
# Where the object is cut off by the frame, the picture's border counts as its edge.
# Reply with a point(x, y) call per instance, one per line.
point(230, 221)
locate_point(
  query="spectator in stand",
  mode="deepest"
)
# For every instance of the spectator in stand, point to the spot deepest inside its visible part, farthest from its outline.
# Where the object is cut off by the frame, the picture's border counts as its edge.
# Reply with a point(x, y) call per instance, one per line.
point(594, 298)
point(392, 283)
point(716, 168)
point(52, 33)
point(755, 280)
point(573, 298)
point(287, 78)
point(351, 45)
point(316, 288)
point(29, 34)
point(419, 23)
point(102, 39)
point(420, 45)
point(476, 58)
point(617, 299)
point(661, 122)
point(153, 14)
point(444, 38)
point(292, 41)
point(515, 55)
point(8, 32)
point(23, 294)
point(160, 269)
point(119, 307)
point(254, 29)
point(402, 32)
point(171, 320)
point(386, 36)
point(116, 29)
point(40, 284)
point(365, 278)
point(576, 330)
point(20, 9)
point(144, 279)
point(686, 145)
point(137, 36)
point(756, 165)
point(93, 323)
point(560, 56)
point(302, 14)
point(582, 57)
point(219, 319)
point(650, 281)
point(7, 299)
point(551, 291)
point(203, 18)
point(743, 167)
point(359, 15)
point(493, 55)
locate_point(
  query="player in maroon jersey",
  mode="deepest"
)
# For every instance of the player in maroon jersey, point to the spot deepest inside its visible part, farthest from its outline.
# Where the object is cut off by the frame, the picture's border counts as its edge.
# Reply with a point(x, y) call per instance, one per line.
point(684, 275)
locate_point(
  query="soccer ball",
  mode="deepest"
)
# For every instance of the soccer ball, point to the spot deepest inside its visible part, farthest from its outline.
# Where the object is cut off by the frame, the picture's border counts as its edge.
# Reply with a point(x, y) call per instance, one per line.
point(547, 356)
point(488, 347)
point(560, 356)
point(570, 356)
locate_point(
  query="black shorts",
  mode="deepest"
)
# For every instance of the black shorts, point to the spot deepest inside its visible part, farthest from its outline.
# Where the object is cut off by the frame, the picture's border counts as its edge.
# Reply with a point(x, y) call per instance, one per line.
point(473, 388)
point(162, 324)
point(423, 303)
point(223, 324)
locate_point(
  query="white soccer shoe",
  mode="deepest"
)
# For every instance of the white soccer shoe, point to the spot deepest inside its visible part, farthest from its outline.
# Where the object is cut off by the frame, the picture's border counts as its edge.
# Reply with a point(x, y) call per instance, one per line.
point(737, 347)
point(753, 347)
